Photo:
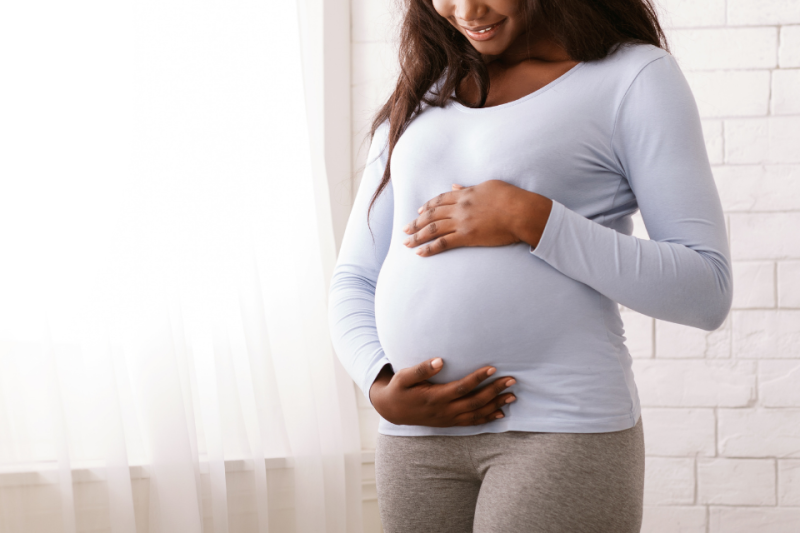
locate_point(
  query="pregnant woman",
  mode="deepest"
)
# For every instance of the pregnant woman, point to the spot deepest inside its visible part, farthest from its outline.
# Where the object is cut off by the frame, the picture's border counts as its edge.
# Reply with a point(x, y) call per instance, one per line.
point(475, 298)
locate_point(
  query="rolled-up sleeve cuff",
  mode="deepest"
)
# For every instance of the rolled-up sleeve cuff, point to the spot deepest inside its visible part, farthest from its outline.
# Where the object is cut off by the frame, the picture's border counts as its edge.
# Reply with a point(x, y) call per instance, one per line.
point(551, 231)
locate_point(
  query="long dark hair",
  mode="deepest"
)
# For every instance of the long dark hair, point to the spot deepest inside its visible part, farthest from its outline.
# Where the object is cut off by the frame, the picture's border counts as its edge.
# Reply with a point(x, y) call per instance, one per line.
point(431, 47)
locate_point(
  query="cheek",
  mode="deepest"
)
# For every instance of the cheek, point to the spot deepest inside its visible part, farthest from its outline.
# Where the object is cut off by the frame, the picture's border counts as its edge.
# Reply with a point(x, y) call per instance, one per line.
point(443, 7)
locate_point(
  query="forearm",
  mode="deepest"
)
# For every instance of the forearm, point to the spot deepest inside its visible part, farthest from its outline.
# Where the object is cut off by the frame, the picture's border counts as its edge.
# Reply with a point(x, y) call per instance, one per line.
point(351, 319)
point(682, 273)
point(665, 280)
point(351, 298)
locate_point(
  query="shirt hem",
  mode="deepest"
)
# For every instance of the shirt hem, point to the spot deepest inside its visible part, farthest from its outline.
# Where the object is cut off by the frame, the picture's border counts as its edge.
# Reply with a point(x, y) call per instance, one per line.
point(538, 425)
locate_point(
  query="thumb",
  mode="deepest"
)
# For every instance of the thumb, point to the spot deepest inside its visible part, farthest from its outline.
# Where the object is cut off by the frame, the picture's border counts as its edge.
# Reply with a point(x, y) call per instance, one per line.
point(417, 373)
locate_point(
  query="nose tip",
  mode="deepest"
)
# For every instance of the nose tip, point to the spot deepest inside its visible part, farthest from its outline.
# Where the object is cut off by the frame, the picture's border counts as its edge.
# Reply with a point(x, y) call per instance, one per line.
point(469, 11)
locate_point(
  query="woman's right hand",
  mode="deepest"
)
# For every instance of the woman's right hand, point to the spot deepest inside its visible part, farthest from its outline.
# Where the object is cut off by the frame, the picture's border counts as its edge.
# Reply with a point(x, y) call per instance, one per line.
point(407, 398)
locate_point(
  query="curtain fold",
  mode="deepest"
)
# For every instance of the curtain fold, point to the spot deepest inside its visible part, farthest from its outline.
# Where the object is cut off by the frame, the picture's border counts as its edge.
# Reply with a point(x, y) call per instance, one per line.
point(165, 364)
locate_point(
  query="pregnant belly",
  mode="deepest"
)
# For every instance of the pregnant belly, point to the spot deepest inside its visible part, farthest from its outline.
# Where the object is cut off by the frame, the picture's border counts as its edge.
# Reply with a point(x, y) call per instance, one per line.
point(477, 306)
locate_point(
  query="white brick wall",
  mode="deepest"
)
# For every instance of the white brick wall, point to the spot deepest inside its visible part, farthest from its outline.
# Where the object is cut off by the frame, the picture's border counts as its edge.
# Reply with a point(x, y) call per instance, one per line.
point(758, 432)
point(744, 188)
point(736, 481)
point(762, 140)
point(754, 284)
point(680, 432)
point(789, 482)
point(374, 27)
point(721, 409)
point(695, 382)
point(758, 12)
point(777, 383)
point(746, 141)
point(668, 481)
point(730, 93)
point(765, 235)
point(691, 13)
point(751, 520)
point(789, 51)
point(674, 519)
point(767, 334)
point(785, 91)
point(677, 341)
point(789, 284)
point(726, 48)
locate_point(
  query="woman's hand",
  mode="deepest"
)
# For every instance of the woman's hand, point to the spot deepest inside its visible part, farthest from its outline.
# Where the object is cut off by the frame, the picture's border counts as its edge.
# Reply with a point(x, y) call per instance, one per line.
point(492, 213)
point(408, 398)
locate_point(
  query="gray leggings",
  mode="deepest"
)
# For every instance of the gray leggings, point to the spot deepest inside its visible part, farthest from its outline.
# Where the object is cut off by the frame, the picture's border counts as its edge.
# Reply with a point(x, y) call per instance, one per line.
point(512, 482)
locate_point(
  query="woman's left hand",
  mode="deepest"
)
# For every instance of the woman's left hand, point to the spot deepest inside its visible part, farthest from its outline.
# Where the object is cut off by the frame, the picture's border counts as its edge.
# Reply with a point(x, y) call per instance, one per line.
point(492, 213)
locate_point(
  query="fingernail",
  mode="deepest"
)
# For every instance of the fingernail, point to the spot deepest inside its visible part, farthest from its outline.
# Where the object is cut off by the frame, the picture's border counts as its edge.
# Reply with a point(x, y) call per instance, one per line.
point(491, 371)
point(509, 400)
point(407, 241)
point(510, 382)
point(406, 227)
point(436, 363)
point(499, 415)
point(419, 210)
point(419, 252)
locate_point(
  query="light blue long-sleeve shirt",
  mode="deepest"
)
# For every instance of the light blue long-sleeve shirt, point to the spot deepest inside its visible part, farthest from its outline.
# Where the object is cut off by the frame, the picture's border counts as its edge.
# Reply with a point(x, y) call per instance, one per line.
point(605, 139)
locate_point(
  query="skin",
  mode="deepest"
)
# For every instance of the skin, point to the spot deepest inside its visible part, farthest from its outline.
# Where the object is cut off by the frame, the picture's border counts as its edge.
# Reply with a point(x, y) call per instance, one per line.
point(521, 59)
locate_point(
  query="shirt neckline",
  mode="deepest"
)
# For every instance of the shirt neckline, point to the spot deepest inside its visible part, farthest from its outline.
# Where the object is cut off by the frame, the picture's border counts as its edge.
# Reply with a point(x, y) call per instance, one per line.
point(528, 96)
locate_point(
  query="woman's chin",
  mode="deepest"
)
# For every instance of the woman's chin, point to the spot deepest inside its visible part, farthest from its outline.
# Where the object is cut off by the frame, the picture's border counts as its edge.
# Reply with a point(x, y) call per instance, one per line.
point(490, 48)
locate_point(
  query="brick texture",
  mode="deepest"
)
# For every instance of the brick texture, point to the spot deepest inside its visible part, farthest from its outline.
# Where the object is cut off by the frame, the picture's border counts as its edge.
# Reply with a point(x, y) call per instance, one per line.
point(679, 432)
point(789, 50)
point(736, 481)
point(789, 482)
point(777, 383)
point(758, 433)
point(785, 91)
point(674, 519)
point(789, 284)
point(773, 12)
point(730, 93)
point(753, 519)
point(668, 481)
point(754, 284)
point(725, 48)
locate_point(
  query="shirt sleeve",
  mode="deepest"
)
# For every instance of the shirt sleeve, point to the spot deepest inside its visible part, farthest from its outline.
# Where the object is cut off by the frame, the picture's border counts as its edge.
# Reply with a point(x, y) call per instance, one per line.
point(682, 274)
point(351, 297)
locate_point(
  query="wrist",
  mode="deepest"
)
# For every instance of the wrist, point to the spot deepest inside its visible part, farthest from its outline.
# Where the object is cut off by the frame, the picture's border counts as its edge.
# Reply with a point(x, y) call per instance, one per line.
point(381, 380)
point(534, 211)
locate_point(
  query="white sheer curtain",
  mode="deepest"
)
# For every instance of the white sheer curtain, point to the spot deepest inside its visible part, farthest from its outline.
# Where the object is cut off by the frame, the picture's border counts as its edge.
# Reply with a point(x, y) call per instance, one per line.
point(165, 363)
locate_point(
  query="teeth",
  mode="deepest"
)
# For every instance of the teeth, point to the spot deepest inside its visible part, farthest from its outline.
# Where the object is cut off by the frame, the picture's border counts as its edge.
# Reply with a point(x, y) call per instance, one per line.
point(486, 29)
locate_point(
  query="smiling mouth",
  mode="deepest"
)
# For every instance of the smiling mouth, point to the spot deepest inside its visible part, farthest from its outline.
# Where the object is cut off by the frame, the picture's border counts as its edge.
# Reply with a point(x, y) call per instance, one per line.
point(483, 33)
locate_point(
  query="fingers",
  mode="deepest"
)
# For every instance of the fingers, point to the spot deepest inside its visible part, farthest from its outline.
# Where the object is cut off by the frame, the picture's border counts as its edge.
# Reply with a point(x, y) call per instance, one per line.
point(444, 198)
point(484, 396)
point(439, 230)
point(487, 413)
point(462, 387)
point(427, 216)
point(445, 242)
point(435, 229)
point(414, 374)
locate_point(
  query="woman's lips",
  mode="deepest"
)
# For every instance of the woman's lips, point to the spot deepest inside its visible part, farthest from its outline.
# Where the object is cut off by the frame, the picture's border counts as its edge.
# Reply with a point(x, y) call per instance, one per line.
point(487, 32)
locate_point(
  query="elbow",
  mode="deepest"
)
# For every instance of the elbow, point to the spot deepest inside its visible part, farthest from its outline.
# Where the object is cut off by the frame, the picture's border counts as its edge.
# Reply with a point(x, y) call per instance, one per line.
point(717, 308)
point(714, 317)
